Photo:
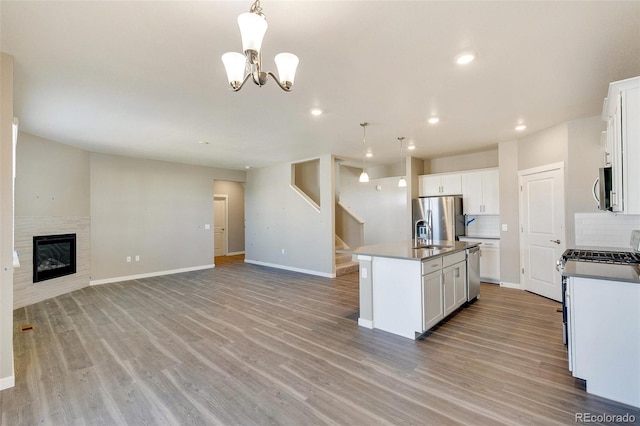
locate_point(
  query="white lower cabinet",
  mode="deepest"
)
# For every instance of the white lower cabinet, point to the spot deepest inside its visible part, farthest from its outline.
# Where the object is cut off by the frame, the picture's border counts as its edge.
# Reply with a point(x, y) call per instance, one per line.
point(409, 297)
point(604, 337)
point(432, 303)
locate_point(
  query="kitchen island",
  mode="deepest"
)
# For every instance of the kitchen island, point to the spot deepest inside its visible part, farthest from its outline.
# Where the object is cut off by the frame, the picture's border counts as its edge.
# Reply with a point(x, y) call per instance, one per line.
point(407, 287)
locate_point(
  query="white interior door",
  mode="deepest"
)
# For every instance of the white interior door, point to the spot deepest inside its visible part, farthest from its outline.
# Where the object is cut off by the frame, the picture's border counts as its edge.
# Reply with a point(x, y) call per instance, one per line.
point(542, 229)
point(219, 226)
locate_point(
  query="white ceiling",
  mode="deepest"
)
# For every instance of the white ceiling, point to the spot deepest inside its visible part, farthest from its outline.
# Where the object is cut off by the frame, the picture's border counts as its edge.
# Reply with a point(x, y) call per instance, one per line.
point(145, 78)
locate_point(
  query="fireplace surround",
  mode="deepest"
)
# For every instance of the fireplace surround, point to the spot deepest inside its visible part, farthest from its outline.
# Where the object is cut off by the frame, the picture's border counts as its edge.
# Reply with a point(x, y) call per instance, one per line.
point(53, 256)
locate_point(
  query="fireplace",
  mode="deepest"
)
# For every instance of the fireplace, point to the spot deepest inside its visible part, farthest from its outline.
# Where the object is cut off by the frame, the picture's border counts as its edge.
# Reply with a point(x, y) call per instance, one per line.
point(53, 256)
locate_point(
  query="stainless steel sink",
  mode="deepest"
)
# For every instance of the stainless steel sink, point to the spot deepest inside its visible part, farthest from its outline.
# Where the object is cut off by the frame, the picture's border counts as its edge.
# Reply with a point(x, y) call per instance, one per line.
point(432, 246)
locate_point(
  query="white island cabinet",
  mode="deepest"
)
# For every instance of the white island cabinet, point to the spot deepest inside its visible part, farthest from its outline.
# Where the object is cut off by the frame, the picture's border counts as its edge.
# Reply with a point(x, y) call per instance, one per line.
point(410, 297)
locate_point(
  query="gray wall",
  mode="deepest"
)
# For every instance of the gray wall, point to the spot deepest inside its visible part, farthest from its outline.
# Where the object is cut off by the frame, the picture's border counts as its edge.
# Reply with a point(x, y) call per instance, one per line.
point(235, 205)
point(153, 209)
point(6, 221)
point(384, 211)
point(279, 219)
point(577, 145)
point(52, 197)
point(455, 163)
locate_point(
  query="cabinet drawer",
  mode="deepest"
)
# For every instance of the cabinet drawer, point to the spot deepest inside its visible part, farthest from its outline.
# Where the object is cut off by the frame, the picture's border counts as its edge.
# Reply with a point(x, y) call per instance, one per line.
point(450, 259)
point(431, 265)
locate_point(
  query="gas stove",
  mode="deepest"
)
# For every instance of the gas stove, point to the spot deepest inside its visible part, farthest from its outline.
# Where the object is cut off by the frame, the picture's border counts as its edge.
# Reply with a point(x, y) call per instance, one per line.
point(602, 256)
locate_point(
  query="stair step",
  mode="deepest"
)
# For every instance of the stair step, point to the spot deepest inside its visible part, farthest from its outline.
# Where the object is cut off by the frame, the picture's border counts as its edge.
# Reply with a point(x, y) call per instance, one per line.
point(346, 268)
point(343, 258)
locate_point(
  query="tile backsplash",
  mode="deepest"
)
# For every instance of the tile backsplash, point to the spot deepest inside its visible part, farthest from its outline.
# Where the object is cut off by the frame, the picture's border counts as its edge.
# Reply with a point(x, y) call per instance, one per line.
point(482, 225)
point(605, 229)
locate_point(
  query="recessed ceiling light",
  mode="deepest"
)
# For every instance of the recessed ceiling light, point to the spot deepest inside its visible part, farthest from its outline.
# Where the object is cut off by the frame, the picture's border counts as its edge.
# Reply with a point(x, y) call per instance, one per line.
point(520, 127)
point(411, 147)
point(434, 120)
point(316, 111)
point(465, 58)
point(247, 167)
point(203, 142)
point(369, 154)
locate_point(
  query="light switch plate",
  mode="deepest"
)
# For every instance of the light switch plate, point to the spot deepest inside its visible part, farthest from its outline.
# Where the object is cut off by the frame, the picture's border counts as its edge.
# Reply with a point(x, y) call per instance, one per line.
point(505, 227)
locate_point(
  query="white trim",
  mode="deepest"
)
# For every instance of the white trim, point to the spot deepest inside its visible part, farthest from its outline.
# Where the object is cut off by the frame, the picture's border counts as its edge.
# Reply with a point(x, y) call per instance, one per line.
point(7, 382)
point(305, 197)
point(365, 323)
point(150, 274)
point(364, 257)
point(510, 285)
point(235, 253)
point(540, 169)
point(291, 268)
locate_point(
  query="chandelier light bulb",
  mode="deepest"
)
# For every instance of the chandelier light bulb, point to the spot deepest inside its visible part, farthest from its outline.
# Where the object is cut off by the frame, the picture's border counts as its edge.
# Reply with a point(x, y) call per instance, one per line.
point(239, 67)
point(364, 177)
point(402, 183)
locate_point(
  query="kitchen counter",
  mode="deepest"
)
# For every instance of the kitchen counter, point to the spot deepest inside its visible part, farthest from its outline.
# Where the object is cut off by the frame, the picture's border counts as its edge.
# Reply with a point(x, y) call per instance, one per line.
point(405, 249)
point(602, 271)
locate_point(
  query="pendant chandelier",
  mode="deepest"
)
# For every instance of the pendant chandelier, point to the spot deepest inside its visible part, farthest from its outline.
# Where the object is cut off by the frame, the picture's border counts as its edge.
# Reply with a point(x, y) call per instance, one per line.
point(239, 67)
point(402, 182)
point(364, 177)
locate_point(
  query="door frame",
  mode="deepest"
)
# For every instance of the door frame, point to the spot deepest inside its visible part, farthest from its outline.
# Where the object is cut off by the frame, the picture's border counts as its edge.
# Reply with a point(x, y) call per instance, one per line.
point(225, 239)
point(521, 206)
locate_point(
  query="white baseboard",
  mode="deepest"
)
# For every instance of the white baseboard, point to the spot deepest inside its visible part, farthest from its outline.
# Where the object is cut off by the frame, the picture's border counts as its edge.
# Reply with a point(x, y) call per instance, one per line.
point(234, 253)
point(290, 268)
point(7, 382)
point(149, 275)
point(365, 323)
point(510, 285)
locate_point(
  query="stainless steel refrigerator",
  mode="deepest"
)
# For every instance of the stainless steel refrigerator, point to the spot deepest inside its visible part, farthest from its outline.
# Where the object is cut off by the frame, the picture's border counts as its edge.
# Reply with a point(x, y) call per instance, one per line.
point(438, 218)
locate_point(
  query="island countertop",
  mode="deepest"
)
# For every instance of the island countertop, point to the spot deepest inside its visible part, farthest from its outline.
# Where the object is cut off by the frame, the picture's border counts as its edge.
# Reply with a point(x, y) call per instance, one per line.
point(405, 249)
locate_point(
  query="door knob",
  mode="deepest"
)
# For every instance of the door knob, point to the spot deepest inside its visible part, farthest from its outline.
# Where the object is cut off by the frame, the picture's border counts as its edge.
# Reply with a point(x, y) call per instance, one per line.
point(555, 241)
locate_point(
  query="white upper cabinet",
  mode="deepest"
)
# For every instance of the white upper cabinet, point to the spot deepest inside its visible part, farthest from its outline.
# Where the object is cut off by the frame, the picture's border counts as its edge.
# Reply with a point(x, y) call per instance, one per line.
point(622, 150)
point(481, 192)
point(440, 184)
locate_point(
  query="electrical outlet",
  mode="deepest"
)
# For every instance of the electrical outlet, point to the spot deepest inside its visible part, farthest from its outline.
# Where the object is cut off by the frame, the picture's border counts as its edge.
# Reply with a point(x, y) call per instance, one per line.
point(137, 258)
point(505, 228)
point(363, 272)
point(128, 259)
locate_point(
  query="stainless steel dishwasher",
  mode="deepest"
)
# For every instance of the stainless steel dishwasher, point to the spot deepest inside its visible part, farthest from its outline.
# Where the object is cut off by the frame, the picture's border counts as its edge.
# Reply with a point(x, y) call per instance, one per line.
point(473, 273)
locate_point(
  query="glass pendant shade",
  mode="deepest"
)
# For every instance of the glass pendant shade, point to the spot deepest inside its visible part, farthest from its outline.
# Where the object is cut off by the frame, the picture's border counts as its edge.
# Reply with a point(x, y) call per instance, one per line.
point(402, 183)
point(252, 30)
point(234, 64)
point(287, 63)
point(364, 177)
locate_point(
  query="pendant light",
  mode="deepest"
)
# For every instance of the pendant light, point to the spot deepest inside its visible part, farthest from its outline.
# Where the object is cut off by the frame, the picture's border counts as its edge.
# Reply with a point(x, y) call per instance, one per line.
point(402, 183)
point(364, 177)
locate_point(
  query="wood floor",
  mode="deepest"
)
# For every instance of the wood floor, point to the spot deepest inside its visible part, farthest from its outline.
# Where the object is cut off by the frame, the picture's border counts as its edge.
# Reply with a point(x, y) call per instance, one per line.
point(242, 344)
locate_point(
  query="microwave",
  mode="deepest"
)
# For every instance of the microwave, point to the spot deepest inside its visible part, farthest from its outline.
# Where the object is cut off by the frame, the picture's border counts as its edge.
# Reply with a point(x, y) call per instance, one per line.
point(604, 189)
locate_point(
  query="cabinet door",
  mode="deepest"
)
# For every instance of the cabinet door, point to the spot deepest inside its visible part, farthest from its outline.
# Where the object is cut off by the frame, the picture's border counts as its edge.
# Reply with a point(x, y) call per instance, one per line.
point(451, 184)
point(449, 289)
point(491, 192)
point(433, 311)
point(429, 185)
point(489, 264)
point(460, 290)
point(472, 192)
